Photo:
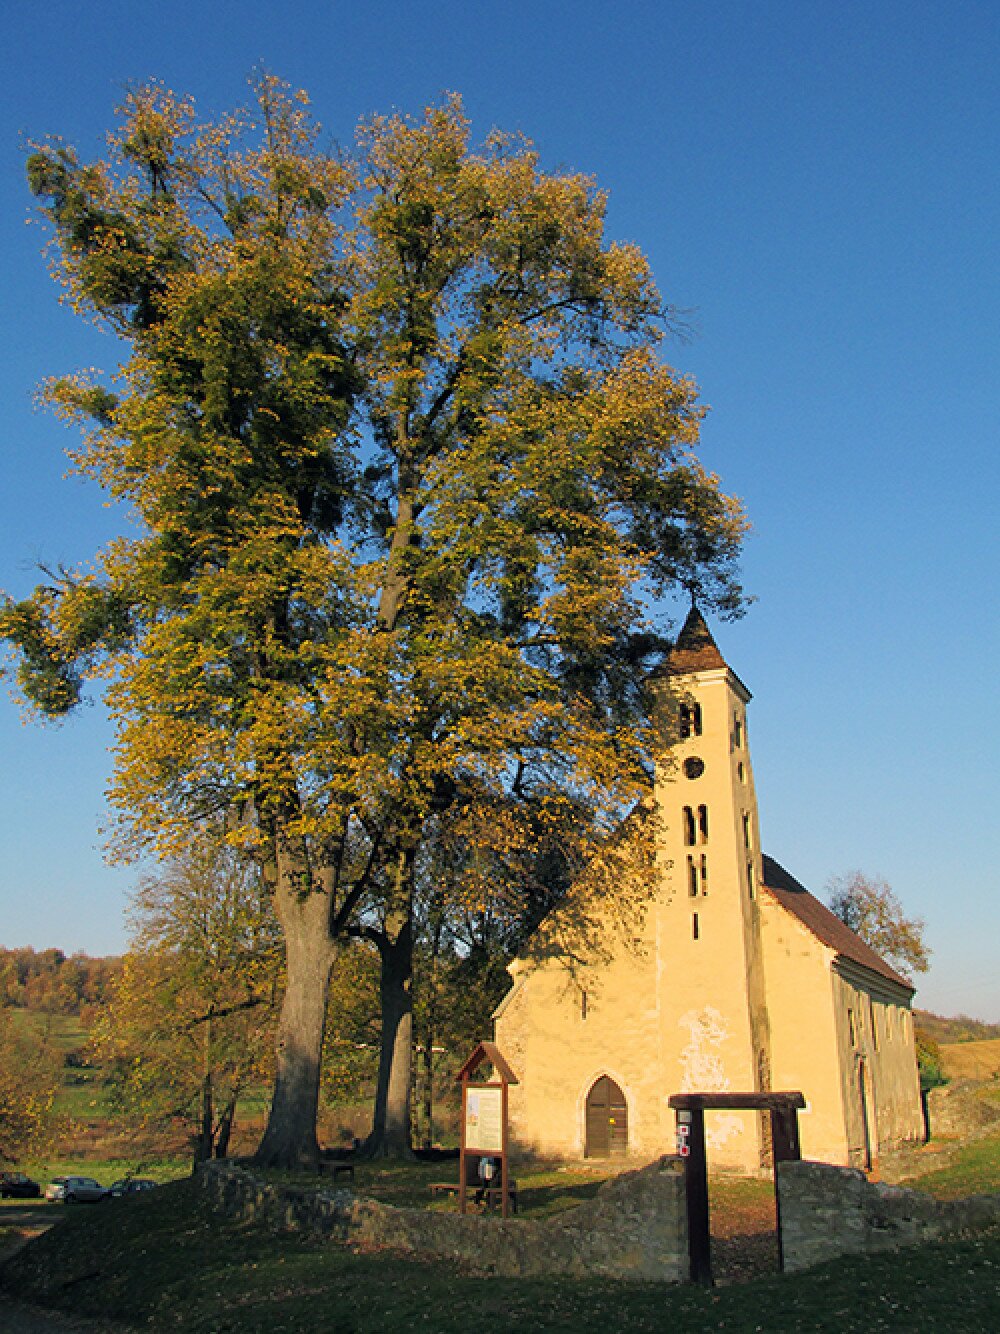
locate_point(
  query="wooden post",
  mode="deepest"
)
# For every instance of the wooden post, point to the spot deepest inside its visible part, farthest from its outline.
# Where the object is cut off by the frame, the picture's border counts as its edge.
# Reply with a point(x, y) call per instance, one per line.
point(691, 1146)
point(785, 1143)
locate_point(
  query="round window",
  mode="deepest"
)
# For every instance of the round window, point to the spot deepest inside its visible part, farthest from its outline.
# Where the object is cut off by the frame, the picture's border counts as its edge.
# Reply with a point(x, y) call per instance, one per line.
point(694, 768)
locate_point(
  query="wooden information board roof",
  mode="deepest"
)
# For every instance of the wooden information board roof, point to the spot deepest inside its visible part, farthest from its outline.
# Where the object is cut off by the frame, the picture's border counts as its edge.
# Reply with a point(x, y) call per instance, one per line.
point(487, 1051)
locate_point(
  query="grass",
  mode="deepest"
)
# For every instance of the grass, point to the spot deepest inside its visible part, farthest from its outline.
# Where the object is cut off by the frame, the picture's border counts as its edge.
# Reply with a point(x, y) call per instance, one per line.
point(971, 1060)
point(973, 1169)
point(165, 1262)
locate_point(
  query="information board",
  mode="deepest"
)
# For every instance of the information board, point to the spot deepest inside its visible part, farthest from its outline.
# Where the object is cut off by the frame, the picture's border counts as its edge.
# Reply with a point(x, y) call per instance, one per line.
point(484, 1120)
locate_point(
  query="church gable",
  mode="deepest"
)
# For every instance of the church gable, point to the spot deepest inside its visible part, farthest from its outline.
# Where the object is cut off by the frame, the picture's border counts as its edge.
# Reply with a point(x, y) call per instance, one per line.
point(817, 918)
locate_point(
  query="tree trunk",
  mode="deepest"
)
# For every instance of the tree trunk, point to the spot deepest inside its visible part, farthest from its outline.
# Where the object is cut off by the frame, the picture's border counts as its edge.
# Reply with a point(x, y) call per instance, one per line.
point(430, 1027)
point(428, 1064)
point(290, 1137)
point(390, 1135)
point(203, 1144)
point(225, 1130)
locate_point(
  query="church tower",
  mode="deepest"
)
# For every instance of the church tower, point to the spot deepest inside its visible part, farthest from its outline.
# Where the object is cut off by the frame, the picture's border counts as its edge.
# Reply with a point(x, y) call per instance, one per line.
point(714, 1001)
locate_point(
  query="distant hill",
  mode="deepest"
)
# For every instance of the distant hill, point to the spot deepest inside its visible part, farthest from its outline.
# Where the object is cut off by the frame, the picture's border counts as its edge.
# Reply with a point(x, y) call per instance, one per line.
point(960, 1029)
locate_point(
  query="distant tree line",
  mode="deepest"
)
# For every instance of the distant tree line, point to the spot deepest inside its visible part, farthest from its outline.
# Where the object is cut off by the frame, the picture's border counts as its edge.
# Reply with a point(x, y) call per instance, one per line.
point(50, 982)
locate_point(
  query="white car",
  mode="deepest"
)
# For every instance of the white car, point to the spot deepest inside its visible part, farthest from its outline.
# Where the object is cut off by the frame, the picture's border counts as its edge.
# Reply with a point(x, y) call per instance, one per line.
point(75, 1190)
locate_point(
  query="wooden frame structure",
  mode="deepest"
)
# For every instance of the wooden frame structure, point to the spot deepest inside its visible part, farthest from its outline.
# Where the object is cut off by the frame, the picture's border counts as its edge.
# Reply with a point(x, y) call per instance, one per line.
point(690, 1109)
point(484, 1125)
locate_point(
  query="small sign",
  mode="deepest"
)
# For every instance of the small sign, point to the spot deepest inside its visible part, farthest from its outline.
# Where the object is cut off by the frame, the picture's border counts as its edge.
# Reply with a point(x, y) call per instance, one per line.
point(684, 1150)
point(683, 1130)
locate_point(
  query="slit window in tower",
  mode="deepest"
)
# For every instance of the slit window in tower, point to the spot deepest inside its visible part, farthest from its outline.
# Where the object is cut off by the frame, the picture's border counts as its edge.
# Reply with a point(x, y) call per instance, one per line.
point(690, 720)
point(747, 831)
point(689, 831)
point(737, 731)
point(694, 926)
point(583, 1004)
point(703, 823)
point(692, 877)
point(750, 881)
point(704, 874)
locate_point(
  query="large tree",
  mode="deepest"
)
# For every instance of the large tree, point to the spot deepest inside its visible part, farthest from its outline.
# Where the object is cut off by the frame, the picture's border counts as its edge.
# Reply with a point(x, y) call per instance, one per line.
point(410, 481)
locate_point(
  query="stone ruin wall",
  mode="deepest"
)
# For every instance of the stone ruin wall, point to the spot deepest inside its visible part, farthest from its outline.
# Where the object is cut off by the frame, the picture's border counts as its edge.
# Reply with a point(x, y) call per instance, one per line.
point(634, 1228)
point(830, 1211)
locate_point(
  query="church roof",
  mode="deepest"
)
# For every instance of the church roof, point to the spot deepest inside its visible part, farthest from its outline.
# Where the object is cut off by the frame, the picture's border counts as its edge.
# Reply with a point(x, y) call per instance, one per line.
point(695, 649)
point(817, 918)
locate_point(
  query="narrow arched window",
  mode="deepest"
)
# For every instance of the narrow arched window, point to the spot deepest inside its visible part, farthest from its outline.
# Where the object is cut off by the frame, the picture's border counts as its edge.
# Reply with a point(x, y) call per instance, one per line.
point(692, 877)
point(704, 874)
point(747, 831)
point(703, 823)
point(689, 829)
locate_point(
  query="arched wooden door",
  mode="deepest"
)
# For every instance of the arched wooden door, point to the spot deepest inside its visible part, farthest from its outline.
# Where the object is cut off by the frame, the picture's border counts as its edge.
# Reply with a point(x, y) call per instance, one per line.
point(607, 1120)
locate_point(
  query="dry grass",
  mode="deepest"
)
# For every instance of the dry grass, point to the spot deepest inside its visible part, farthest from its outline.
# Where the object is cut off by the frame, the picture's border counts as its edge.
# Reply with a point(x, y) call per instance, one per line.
point(971, 1060)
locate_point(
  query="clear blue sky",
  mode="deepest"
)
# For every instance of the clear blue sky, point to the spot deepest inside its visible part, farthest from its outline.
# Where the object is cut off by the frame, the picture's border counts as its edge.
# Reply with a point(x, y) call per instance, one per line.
point(817, 184)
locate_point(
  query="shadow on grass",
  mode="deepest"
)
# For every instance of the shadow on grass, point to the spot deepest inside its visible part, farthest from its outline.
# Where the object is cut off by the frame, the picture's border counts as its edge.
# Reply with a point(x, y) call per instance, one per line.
point(166, 1262)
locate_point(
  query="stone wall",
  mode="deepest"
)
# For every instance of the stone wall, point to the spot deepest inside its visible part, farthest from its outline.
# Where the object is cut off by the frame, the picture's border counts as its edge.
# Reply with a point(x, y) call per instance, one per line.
point(829, 1211)
point(634, 1228)
point(960, 1109)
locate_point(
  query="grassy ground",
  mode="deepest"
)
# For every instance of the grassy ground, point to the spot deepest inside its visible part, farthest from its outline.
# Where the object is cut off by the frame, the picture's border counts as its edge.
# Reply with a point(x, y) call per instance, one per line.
point(164, 1262)
point(973, 1168)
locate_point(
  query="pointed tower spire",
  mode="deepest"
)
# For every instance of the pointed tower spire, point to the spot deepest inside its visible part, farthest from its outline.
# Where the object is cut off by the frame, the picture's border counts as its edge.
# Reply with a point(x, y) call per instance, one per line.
point(695, 649)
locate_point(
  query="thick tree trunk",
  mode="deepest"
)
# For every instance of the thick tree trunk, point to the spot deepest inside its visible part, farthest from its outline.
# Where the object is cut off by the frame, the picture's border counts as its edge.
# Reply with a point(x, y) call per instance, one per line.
point(290, 1137)
point(390, 1136)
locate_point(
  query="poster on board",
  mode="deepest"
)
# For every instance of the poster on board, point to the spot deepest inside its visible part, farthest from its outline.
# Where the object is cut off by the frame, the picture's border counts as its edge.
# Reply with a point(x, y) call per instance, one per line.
point(484, 1120)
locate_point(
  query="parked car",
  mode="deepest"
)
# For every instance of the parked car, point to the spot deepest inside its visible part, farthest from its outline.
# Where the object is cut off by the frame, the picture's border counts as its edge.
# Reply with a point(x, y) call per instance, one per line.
point(15, 1185)
point(131, 1186)
point(75, 1190)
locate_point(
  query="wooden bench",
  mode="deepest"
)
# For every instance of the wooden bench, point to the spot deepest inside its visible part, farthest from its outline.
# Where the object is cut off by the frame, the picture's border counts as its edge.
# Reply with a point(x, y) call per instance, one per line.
point(491, 1196)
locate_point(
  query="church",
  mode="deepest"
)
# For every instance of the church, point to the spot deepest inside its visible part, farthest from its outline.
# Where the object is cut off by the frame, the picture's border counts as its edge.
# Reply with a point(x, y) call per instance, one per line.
point(725, 974)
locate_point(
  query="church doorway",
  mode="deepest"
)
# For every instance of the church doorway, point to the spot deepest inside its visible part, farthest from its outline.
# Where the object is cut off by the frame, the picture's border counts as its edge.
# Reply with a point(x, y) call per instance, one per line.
point(606, 1120)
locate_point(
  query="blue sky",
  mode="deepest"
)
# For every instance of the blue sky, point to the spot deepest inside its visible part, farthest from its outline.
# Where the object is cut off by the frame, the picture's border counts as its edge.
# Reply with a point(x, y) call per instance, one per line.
point(816, 184)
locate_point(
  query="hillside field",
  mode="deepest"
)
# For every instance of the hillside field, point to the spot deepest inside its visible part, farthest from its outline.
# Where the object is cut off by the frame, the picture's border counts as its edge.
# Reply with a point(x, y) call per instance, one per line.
point(971, 1060)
